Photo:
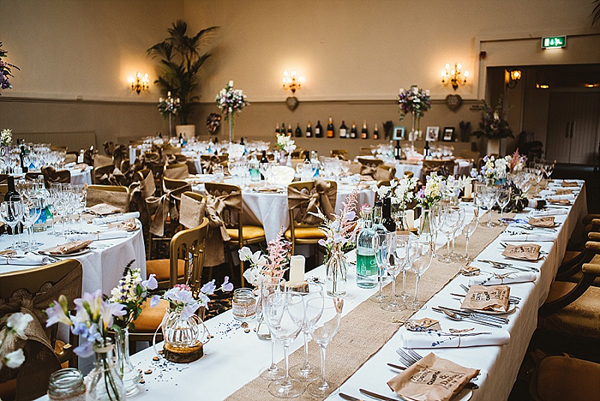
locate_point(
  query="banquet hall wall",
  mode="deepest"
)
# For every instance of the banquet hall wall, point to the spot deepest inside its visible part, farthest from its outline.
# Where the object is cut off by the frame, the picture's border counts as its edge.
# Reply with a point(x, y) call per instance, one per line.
point(76, 57)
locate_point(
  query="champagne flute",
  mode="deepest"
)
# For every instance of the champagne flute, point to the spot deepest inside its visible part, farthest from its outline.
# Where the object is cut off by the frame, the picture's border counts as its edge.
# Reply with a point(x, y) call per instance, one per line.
point(267, 287)
point(284, 314)
point(11, 212)
point(420, 256)
point(397, 262)
point(324, 317)
point(380, 241)
point(304, 371)
point(468, 230)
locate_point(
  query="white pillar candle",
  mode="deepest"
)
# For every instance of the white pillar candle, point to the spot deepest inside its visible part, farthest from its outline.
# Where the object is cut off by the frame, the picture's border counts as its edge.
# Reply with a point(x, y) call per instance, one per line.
point(297, 269)
point(409, 219)
point(468, 189)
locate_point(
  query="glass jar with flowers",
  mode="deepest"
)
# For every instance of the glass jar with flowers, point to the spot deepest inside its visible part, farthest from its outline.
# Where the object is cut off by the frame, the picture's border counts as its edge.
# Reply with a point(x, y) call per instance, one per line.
point(427, 197)
point(402, 192)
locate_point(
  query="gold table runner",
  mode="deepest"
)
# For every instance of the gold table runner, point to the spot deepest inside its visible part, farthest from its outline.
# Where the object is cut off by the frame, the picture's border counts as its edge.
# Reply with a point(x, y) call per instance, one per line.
point(365, 329)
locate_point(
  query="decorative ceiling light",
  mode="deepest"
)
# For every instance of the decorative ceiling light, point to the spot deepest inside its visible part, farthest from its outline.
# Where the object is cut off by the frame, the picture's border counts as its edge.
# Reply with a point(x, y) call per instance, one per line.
point(453, 76)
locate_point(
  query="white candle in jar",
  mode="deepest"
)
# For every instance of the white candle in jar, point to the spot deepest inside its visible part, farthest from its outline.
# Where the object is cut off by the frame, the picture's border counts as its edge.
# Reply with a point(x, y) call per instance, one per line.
point(409, 219)
point(468, 189)
point(297, 269)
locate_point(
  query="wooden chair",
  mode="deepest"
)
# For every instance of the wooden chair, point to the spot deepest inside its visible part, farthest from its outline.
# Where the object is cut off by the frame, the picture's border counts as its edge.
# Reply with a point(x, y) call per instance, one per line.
point(341, 154)
point(176, 170)
point(369, 162)
point(570, 268)
point(35, 281)
point(71, 157)
point(115, 195)
point(240, 234)
point(185, 264)
point(52, 176)
point(441, 167)
point(561, 377)
point(99, 172)
point(301, 233)
point(4, 178)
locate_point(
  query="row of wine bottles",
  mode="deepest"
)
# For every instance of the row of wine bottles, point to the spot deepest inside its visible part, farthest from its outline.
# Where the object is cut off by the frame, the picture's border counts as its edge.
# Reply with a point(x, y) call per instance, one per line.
point(329, 132)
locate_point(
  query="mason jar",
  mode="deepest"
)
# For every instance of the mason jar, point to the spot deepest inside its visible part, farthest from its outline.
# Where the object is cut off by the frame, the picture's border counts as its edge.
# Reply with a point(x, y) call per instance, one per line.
point(66, 384)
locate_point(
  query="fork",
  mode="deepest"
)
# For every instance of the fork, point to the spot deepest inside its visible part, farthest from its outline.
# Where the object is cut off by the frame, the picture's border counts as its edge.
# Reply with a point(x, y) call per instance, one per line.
point(503, 265)
point(513, 298)
point(408, 359)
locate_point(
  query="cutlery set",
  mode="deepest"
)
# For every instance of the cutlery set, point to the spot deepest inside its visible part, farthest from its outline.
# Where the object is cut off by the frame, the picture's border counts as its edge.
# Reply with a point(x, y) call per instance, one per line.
point(504, 265)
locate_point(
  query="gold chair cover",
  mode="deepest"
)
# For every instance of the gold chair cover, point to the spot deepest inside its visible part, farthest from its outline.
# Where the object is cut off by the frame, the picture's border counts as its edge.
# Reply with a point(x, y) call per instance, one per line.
point(303, 202)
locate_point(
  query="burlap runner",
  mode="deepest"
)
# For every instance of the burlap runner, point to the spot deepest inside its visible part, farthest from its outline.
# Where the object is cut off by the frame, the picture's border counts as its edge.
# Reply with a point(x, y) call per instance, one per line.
point(367, 327)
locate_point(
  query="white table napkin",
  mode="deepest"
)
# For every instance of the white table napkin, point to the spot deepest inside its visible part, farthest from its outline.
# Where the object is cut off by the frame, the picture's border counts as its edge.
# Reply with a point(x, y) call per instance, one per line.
point(562, 197)
point(25, 260)
point(281, 175)
point(100, 236)
point(415, 339)
point(505, 278)
point(528, 237)
point(549, 212)
point(116, 218)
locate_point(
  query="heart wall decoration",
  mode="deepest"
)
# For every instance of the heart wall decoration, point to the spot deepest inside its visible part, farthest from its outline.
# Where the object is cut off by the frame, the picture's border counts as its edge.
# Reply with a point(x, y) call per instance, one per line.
point(454, 102)
point(292, 102)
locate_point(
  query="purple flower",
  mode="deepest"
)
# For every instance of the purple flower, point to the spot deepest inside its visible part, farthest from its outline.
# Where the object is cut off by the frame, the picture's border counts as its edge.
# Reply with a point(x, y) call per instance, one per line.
point(189, 310)
point(209, 288)
point(322, 242)
point(56, 314)
point(154, 301)
point(350, 215)
point(85, 349)
point(151, 283)
point(227, 286)
point(108, 311)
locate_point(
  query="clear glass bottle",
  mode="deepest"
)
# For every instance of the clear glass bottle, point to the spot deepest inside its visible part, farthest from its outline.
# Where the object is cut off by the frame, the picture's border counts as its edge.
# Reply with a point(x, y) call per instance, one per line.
point(253, 167)
point(105, 382)
point(366, 265)
point(67, 385)
point(42, 193)
point(129, 374)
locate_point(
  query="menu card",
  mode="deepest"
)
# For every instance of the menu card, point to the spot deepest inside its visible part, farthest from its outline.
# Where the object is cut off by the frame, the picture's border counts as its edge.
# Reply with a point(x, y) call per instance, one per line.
point(489, 298)
point(522, 252)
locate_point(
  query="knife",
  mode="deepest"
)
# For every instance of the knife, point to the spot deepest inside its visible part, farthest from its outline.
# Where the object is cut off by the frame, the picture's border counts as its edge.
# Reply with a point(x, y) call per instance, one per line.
point(378, 396)
point(349, 397)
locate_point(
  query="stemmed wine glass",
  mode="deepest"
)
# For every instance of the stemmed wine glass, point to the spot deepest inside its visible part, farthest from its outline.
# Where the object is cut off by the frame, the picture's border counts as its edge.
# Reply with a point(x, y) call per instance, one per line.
point(420, 254)
point(457, 228)
point(380, 245)
point(12, 211)
point(397, 245)
point(468, 229)
point(32, 209)
point(488, 196)
point(504, 195)
point(267, 287)
point(284, 314)
point(324, 316)
point(303, 371)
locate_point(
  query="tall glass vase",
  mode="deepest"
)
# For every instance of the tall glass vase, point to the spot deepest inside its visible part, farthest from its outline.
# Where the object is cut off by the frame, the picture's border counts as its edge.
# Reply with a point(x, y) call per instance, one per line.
point(130, 376)
point(413, 133)
point(336, 267)
point(230, 120)
point(426, 230)
point(105, 383)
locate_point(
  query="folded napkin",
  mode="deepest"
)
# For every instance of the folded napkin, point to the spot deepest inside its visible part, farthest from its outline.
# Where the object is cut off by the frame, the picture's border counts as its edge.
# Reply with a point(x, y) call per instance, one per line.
point(127, 225)
point(281, 175)
point(431, 378)
point(25, 260)
point(543, 222)
point(562, 197)
point(101, 236)
point(550, 237)
point(116, 218)
point(104, 209)
point(569, 184)
point(439, 339)
point(67, 248)
point(561, 191)
point(555, 201)
point(549, 212)
point(505, 278)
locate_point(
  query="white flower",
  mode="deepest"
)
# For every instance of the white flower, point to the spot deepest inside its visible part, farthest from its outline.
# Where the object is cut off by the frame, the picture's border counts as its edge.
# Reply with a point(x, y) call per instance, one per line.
point(18, 322)
point(382, 191)
point(15, 359)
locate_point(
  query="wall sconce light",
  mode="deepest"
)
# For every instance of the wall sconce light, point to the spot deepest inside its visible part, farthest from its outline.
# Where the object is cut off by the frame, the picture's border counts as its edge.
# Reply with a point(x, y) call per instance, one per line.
point(292, 82)
point(542, 86)
point(453, 76)
point(140, 84)
point(514, 76)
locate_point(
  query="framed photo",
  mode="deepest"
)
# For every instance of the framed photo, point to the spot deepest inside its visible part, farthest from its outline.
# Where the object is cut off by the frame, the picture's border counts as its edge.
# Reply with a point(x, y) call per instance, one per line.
point(448, 134)
point(398, 133)
point(432, 134)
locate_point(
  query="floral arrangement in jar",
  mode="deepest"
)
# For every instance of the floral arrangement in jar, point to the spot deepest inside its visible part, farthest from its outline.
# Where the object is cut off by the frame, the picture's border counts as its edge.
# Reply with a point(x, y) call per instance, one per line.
point(5, 70)
point(14, 325)
point(516, 162)
point(285, 143)
point(5, 137)
point(168, 106)
point(493, 123)
point(270, 265)
point(401, 191)
point(431, 192)
point(493, 171)
point(231, 101)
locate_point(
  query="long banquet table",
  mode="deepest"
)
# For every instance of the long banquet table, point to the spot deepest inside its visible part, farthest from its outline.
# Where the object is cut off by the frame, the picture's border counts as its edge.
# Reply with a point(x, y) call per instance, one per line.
point(233, 358)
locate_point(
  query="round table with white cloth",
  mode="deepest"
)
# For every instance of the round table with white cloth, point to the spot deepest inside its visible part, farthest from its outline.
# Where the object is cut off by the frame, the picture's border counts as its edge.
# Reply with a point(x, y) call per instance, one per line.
point(81, 177)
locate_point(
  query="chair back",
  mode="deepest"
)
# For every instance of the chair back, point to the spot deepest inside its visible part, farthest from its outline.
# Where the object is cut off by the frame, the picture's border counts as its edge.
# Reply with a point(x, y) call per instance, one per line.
point(189, 245)
point(384, 173)
point(180, 158)
point(365, 151)
point(100, 171)
point(231, 195)
point(114, 195)
point(102, 160)
point(3, 189)
point(3, 178)
point(441, 167)
point(191, 165)
point(304, 197)
point(71, 157)
point(369, 162)
point(32, 176)
point(192, 209)
point(341, 154)
point(177, 171)
point(52, 176)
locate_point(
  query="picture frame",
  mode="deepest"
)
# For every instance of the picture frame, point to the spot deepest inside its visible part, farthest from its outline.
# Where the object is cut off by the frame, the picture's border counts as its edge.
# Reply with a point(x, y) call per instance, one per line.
point(448, 134)
point(398, 133)
point(433, 133)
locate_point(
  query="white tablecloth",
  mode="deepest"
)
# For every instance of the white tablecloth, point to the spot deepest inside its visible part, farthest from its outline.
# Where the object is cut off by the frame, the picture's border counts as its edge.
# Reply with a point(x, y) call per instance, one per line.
point(79, 177)
point(233, 350)
point(461, 167)
point(103, 266)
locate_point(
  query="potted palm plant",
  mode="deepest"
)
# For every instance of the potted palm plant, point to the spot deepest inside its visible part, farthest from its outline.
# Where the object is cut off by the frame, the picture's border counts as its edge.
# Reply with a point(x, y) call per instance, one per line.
point(180, 59)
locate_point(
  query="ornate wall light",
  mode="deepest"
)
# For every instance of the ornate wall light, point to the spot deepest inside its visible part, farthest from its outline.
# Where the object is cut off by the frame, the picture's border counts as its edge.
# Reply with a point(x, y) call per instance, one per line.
point(139, 84)
point(514, 76)
point(454, 76)
point(292, 82)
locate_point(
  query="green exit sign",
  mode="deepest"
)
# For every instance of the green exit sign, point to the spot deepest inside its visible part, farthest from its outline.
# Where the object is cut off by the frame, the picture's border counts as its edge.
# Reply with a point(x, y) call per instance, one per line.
point(554, 42)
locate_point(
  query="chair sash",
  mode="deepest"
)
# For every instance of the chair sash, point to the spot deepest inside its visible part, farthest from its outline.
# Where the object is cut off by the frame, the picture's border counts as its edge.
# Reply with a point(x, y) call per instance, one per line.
point(383, 174)
point(32, 377)
point(177, 173)
point(101, 160)
point(160, 208)
point(355, 168)
point(208, 163)
point(216, 205)
point(304, 202)
point(52, 176)
point(116, 177)
point(191, 212)
point(116, 199)
point(191, 165)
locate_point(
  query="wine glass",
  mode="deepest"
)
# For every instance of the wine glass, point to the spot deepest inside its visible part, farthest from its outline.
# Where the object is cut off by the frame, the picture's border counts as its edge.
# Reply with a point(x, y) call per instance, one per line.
point(447, 220)
point(457, 228)
point(32, 209)
point(380, 242)
point(504, 196)
point(11, 212)
point(267, 287)
point(284, 314)
point(468, 229)
point(420, 254)
point(303, 371)
point(397, 262)
point(324, 316)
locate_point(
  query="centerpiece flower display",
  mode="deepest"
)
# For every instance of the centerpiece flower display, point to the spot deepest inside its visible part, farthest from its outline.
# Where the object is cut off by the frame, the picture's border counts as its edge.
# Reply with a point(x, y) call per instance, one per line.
point(5, 70)
point(267, 266)
point(401, 192)
point(5, 141)
point(339, 232)
point(231, 101)
point(414, 101)
point(428, 196)
point(168, 108)
point(494, 126)
point(286, 145)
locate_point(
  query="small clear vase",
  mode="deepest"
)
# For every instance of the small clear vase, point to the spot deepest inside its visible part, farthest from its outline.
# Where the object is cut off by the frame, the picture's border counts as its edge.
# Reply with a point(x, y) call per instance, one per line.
point(337, 272)
point(130, 376)
point(105, 382)
point(425, 229)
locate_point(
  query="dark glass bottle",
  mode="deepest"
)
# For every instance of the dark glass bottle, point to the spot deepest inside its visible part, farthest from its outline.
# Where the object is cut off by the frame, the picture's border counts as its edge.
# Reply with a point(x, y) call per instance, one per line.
point(353, 132)
point(386, 212)
point(364, 134)
point(180, 139)
point(277, 129)
point(375, 132)
point(12, 193)
point(263, 160)
point(298, 131)
point(426, 149)
point(397, 151)
point(309, 131)
point(330, 132)
point(22, 156)
point(319, 130)
point(289, 131)
point(343, 130)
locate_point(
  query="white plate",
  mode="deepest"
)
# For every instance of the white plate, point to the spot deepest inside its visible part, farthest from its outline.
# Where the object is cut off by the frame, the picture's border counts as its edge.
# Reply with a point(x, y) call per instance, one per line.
point(81, 252)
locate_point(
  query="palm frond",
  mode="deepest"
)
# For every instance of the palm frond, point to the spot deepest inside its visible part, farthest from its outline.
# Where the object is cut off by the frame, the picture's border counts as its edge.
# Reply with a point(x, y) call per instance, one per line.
point(596, 12)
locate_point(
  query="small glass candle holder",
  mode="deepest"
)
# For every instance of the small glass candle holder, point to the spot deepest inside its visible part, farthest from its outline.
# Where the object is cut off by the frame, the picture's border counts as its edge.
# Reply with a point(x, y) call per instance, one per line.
point(67, 385)
point(243, 304)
